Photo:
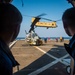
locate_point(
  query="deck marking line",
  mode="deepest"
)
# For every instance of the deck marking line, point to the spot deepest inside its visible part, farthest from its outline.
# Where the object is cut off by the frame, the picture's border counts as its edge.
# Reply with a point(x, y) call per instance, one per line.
point(12, 43)
point(19, 47)
point(48, 65)
point(46, 52)
point(43, 68)
point(58, 59)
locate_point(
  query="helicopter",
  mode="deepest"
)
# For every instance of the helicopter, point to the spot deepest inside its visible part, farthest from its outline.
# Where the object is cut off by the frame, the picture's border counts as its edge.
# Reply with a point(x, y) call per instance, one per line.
point(31, 37)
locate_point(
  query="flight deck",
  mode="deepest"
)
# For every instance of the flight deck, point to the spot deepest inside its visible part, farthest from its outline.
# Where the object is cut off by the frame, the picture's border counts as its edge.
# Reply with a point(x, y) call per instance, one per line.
point(47, 59)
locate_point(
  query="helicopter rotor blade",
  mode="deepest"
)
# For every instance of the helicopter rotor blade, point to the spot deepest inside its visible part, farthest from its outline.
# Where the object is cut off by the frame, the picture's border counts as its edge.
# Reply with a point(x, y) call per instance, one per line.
point(51, 20)
point(22, 3)
point(47, 19)
point(33, 23)
point(41, 15)
point(43, 18)
point(37, 18)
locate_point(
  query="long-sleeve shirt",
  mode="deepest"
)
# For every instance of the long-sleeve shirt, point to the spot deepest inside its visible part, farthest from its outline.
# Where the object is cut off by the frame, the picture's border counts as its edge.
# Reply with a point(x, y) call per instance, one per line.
point(7, 61)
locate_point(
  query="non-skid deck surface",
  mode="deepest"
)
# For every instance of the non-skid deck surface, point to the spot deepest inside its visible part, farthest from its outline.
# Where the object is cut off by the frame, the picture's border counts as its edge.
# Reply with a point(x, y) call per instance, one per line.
point(40, 60)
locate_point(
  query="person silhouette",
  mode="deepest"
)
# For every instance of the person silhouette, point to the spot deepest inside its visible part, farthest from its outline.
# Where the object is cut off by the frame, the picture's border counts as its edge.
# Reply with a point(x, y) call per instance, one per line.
point(10, 20)
point(68, 19)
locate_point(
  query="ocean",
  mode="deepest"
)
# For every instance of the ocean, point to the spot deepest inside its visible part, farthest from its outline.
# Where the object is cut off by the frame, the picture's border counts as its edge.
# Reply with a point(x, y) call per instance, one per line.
point(65, 38)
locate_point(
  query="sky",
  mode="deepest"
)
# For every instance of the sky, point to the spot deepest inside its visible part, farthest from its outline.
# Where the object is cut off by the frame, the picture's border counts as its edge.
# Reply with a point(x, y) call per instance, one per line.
point(53, 10)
